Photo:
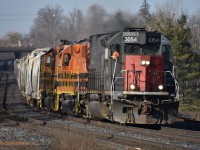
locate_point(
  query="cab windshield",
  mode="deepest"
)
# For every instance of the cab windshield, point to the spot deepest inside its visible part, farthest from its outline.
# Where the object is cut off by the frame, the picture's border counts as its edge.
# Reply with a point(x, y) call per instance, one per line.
point(151, 49)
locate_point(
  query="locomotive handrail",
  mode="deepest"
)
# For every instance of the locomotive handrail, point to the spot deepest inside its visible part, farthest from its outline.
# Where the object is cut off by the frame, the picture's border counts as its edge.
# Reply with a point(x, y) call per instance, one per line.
point(91, 82)
point(134, 71)
point(154, 82)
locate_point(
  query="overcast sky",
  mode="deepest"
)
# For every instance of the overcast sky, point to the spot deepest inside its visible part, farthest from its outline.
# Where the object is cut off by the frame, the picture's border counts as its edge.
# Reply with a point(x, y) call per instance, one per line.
point(18, 15)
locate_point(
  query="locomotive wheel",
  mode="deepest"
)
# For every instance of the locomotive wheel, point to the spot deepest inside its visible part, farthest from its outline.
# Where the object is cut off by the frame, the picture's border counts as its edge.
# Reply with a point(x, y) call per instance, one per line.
point(31, 102)
point(67, 107)
point(49, 103)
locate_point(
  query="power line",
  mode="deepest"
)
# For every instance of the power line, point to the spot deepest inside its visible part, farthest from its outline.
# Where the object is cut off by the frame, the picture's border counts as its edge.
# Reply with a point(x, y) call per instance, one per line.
point(19, 14)
point(16, 19)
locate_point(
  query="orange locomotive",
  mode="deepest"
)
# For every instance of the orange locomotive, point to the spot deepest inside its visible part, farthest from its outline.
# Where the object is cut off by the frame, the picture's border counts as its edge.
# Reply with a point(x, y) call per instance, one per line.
point(59, 74)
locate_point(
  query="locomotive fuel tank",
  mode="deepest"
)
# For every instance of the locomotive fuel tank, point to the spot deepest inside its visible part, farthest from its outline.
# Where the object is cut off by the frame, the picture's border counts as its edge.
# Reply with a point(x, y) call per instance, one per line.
point(98, 109)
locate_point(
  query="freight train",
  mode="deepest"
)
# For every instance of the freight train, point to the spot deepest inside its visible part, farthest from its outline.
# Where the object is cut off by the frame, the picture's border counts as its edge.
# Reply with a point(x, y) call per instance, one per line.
point(123, 76)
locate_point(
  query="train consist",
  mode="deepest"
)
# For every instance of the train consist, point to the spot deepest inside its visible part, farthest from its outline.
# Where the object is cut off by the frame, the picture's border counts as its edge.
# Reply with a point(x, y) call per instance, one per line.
point(125, 77)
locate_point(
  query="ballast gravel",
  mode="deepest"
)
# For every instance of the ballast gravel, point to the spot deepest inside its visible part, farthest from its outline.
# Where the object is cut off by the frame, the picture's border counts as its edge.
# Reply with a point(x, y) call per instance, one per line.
point(16, 136)
point(181, 144)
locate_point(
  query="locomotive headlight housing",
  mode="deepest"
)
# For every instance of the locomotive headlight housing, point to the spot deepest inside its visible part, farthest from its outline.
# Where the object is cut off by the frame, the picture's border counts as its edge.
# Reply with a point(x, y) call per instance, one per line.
point(147, 62)
point(132, 86)
point(143, 62)
point(160, 87)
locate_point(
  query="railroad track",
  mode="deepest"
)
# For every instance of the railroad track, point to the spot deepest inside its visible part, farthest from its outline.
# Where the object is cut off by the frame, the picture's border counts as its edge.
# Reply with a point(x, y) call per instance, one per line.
point(16, 113)
point(12, 104)
point(148, 138)
point(12, 121)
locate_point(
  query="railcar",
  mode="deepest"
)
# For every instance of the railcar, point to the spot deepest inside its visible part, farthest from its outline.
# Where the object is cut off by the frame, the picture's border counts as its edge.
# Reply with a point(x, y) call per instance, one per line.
point(27, 73)
point(130, 79)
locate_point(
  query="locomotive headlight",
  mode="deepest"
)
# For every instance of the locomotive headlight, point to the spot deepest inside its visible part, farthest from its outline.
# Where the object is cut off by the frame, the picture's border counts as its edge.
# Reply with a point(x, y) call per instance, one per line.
point(132, 86)
point(143, 62)
point(160, 87)
point(147, 62)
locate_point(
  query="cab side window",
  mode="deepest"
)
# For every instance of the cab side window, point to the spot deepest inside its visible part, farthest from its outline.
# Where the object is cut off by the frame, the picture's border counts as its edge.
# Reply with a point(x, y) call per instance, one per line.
point(167, 52)
point(66, 60)
point(167, 55)
point(48, 61)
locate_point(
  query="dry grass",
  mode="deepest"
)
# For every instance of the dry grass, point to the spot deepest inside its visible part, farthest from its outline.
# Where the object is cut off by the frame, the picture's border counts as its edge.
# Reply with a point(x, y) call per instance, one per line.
point(74, 141)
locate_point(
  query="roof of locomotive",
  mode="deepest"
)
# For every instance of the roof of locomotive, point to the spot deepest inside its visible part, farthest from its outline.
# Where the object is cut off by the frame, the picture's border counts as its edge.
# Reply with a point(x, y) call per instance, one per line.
point(124, 30)
point(129, 30)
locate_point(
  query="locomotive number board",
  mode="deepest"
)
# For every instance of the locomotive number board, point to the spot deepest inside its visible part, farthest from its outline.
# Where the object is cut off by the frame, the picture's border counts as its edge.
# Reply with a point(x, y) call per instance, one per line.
point(130, 39)
point(153, 38)
point(134, 37)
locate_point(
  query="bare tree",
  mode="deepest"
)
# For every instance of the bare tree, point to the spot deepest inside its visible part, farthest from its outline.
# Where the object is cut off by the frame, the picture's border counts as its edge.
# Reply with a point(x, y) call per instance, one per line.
point(50, 25)
point(13, 39)
point(44, 31)
point(73, 27)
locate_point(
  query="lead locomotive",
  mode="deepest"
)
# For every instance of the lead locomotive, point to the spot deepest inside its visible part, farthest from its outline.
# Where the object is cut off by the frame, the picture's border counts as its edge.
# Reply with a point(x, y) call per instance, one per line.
point(130, 79)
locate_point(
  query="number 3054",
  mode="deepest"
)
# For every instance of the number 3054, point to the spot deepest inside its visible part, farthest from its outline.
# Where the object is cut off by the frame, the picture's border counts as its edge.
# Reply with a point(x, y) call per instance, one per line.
point(130, 39)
